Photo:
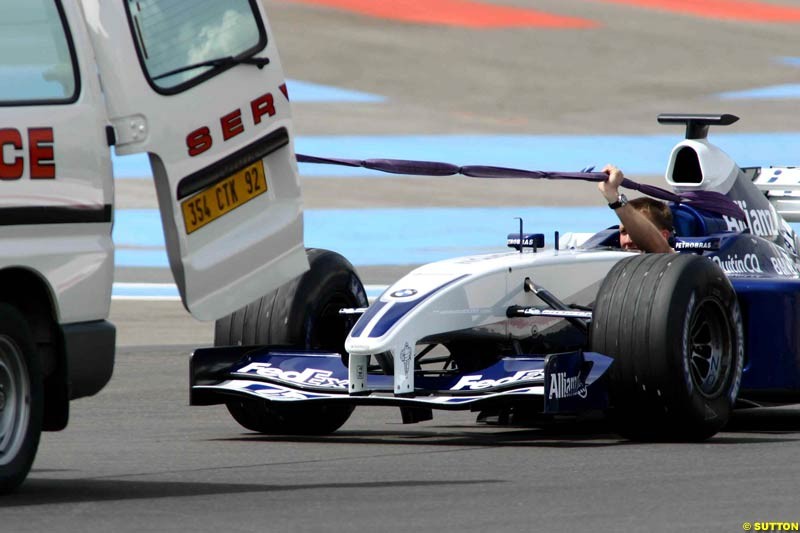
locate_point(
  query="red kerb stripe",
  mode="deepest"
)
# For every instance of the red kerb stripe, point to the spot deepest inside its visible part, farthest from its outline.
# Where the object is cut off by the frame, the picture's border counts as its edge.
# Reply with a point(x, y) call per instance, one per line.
point(739, 10)
point(463, 13)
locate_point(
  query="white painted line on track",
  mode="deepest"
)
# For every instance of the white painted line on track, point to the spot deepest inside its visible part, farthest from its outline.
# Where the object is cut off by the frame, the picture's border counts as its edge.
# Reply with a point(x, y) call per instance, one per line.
point(168, 292)
point(373, 291)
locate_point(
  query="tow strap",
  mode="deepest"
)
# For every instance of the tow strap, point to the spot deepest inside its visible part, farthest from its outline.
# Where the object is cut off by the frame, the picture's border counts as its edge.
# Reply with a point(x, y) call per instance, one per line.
point(706, 200)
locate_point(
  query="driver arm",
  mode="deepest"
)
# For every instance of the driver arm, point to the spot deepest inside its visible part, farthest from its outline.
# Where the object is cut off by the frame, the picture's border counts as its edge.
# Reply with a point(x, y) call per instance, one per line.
point(641, 230)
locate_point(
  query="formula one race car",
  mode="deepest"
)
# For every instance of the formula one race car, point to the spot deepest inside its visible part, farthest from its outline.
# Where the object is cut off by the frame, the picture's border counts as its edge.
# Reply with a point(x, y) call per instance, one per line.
point(665, 344)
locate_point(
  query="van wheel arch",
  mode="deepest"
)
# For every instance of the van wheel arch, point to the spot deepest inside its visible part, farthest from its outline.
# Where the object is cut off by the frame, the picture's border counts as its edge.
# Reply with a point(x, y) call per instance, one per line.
point(33, 297)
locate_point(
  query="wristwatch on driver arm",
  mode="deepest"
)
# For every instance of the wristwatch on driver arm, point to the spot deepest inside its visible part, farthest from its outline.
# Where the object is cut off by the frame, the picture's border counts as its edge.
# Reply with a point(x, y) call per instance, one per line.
point(622, 201)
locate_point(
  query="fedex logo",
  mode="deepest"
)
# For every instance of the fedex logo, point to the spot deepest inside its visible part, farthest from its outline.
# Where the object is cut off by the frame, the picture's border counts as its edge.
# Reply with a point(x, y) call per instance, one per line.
point(308, 376)
point(32, 148)
point(478, 382)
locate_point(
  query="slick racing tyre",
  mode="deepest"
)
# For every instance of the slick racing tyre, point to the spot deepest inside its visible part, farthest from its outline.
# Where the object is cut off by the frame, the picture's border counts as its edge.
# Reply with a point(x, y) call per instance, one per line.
point(21, 399)
point(304, 314)
point(673, 326)
point(290, 419)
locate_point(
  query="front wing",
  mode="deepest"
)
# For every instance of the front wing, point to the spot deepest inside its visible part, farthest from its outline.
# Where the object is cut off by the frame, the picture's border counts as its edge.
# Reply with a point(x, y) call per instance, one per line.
point(558, 383)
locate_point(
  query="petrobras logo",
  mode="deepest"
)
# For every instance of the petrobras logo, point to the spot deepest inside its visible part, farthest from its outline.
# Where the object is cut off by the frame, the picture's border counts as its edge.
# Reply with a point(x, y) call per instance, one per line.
point(733, 264)
point(563, 386)
point(477, 382)
point(310, 376)
point(697, 245)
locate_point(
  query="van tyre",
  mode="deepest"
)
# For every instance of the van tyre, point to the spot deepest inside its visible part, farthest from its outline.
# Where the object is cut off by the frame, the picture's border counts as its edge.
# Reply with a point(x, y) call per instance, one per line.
point(673, 326)
point(21, 399)
point(304, 314)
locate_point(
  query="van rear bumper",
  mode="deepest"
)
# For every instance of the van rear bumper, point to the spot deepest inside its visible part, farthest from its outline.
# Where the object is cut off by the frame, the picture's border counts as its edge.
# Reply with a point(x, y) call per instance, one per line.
point(89, 351)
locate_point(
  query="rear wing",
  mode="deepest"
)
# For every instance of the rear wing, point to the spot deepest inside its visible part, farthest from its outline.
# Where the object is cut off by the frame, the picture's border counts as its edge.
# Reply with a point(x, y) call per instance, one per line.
point(697, 124)
point(781, 185)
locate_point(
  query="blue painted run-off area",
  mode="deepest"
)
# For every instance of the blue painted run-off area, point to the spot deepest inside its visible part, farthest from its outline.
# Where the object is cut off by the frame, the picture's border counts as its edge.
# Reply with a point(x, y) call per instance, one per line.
point(635, 154)
point(386, 236)
point(307, 92)
point(383, 236)
point(788, 60)
point(169, 291)
point(772, 92)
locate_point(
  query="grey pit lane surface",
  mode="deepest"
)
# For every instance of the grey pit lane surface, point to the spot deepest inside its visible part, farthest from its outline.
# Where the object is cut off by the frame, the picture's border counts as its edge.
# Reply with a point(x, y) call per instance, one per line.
point(137, 458)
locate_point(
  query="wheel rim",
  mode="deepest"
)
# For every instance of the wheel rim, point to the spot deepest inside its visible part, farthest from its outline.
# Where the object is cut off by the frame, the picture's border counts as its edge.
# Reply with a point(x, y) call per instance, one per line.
point(15, 400)
point(328, 329)
point(710, 348)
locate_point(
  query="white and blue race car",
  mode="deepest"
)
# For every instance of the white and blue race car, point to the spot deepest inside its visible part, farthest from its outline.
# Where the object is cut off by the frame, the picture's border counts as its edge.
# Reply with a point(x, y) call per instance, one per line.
point(665, 344)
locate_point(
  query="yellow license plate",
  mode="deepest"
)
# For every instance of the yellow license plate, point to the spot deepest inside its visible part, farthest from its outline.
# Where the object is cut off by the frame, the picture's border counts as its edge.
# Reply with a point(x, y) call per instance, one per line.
point(224, 197)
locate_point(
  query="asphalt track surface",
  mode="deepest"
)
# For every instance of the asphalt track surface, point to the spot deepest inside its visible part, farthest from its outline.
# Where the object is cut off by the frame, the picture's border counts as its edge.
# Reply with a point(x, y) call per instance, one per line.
point(137, 458)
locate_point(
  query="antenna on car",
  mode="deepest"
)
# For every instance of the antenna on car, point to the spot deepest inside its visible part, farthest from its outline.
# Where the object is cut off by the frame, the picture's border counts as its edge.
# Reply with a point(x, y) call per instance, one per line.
point(697, 124)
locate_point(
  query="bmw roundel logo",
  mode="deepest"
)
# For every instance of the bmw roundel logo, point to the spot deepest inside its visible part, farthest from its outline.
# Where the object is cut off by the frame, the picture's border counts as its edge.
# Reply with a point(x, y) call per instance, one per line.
point(403, 293)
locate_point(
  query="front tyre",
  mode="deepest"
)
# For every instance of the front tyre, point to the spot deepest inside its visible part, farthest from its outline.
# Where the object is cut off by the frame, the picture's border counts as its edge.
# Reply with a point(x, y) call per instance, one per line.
point(290, 419)
point(21, 399)
point(673, 326)
point(303, 313)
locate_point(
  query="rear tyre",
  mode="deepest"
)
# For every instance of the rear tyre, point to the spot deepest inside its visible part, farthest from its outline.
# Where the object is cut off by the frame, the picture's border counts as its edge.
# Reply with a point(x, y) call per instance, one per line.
point(672, 323)
point(304, 313)
point(21, 399)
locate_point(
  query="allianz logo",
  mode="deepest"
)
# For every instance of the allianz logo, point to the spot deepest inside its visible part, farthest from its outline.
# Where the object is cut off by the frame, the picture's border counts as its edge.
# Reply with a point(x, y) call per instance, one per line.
point(563, 386)
point(760, 221)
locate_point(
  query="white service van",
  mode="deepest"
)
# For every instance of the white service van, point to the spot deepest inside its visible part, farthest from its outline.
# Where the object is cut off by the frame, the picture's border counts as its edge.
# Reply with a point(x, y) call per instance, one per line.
point(195, 84)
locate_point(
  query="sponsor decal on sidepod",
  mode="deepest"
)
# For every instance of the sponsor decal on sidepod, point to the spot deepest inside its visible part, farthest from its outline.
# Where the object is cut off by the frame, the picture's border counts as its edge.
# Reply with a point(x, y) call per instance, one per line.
point(759, 221)
point(733, 264)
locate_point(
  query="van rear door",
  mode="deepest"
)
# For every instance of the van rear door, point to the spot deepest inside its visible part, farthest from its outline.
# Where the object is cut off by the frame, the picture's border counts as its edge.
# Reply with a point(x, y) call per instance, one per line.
point(198, 86)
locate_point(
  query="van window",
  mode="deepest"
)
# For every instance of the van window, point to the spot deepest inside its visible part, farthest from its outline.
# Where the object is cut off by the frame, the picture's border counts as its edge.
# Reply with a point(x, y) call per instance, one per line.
point(183, 42)
point(37, 64)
